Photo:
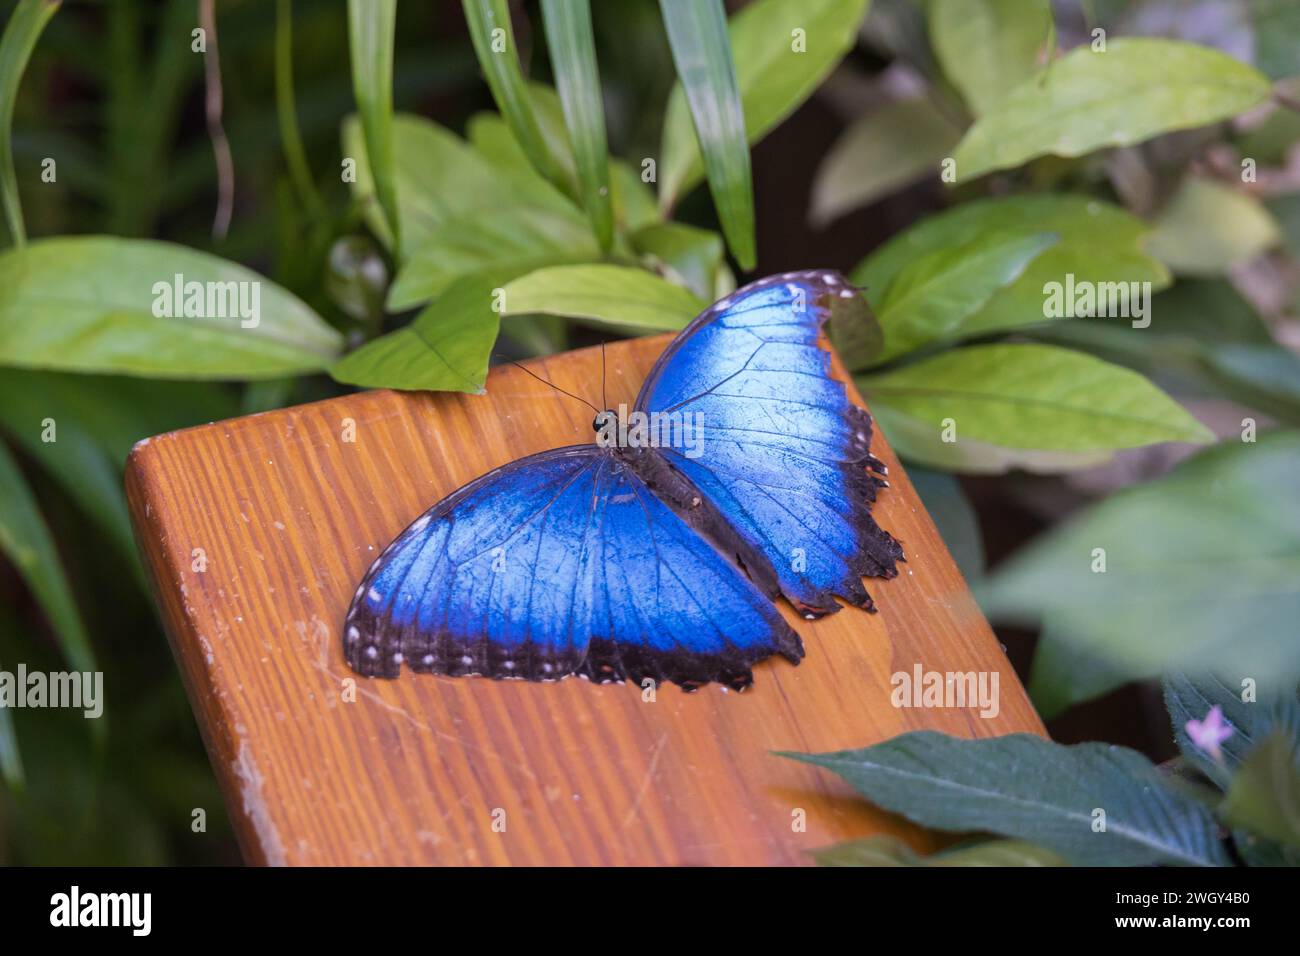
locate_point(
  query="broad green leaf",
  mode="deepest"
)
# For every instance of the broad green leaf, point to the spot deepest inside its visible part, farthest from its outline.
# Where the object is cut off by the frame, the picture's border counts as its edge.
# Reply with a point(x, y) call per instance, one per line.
point(1277, 36)
point(1264, 797)
point(1208, 228)
point(525, 237)
point(613, 296)
point(1201, 570)
point(371, 25)
point(917, 442)
point(1271, 707)
point(690, 256)
point(884, 151)
point(634, 200)
point(573, 60)
point(1063, 674)
point(1034, 397)
point(439, 176)
point(494, 45)
point(446, 347)
point(25, 540)
point(891, 851)
point(1099, 243)
point(21, 33)
point(952, 513)
point(697, 33)
point(772, 75)
point(989, 47)
point(1027, 788)
point(933, 296)
point(89, 304)
point(1136, 89)
point(1204, 340)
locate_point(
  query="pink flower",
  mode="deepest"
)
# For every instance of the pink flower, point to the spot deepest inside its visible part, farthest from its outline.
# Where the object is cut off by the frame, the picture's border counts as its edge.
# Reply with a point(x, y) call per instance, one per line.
point(1209, 733)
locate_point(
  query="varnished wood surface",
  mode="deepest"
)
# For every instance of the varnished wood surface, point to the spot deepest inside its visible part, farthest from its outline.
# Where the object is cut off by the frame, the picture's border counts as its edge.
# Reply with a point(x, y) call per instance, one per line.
point(415, 771)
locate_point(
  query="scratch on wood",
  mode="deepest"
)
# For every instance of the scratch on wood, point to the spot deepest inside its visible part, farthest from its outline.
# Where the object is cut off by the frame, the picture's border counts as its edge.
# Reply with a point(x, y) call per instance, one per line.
point(250, 789)
point(649, 777)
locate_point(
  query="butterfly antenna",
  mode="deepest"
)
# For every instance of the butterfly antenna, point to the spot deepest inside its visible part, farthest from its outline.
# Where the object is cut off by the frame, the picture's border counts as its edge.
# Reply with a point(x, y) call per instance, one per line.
point(604, 399)
point(554, 386)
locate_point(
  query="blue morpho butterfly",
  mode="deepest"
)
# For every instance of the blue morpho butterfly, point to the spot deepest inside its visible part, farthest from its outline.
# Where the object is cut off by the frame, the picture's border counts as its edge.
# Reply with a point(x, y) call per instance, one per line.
point(627, 561)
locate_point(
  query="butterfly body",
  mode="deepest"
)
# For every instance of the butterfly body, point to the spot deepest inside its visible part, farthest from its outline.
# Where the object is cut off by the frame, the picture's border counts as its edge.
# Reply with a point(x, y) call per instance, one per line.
point(638, 560)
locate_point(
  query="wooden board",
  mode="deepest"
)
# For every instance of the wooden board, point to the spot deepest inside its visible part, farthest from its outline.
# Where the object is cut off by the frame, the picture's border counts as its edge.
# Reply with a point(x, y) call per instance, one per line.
point(288, 515)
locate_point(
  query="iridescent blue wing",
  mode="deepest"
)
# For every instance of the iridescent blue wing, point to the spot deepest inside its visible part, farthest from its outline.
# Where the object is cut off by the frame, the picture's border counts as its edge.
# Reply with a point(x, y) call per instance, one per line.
point(558, 564)
point(785, 457)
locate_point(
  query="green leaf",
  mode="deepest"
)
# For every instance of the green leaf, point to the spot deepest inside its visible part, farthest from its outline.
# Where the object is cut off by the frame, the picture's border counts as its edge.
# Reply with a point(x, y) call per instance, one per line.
point(69, 451)
point(1033, 396)
point(697, 33)
point(1204, 340)
point(1264, 797)
point(11, 761)
point(1136, 89)
point(25, 540)
point(689, 256)
point(1201, 569)
point(1098, 243)
point(634, 201)
point(988, 47)
point(884, 151)
point(526, 237)
point(773, 78)
point(463, 183)
point(295, 156)
point(931, 297)
point(20, 36)
point(1063, 674)
point(1272, 708)
point(917, 442)
point(1277, 37)
point(613, 296)
point(952, 513)
point(1208, 228)
point(573, 60)
point(1027, 788)
point(88, 303)
point(445, 348)
point(371, 25)
point(494, 45)
point(891, 851)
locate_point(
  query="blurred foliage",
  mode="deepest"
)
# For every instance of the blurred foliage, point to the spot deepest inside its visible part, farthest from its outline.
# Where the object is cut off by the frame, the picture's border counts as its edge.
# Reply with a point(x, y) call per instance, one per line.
point(1152, 143)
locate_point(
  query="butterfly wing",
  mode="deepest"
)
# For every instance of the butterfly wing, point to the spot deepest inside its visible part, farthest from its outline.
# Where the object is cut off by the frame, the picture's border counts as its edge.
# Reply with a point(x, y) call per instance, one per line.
point(560, 563)
point(785, 456)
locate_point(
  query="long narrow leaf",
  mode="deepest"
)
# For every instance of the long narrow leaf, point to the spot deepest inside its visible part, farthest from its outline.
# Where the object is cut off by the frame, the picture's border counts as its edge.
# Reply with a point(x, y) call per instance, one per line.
point(11, 764)
point(290, 135)
point(371, 26)
point(16, 47)
point(494, 45)
point(697, 33)
point(573, 60)
point(25, 540)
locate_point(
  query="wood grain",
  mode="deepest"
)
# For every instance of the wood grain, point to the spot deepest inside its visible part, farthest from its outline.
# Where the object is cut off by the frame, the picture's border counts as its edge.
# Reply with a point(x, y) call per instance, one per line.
point(288, 515)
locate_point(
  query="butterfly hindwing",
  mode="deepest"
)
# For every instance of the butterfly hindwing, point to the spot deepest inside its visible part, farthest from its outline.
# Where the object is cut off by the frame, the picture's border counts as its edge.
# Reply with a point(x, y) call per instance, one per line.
point(785, 457)
point(558, 564)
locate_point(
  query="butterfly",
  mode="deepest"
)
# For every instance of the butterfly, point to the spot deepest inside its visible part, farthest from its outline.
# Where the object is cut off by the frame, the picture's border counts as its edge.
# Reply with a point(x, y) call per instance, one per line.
point(637, 559)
